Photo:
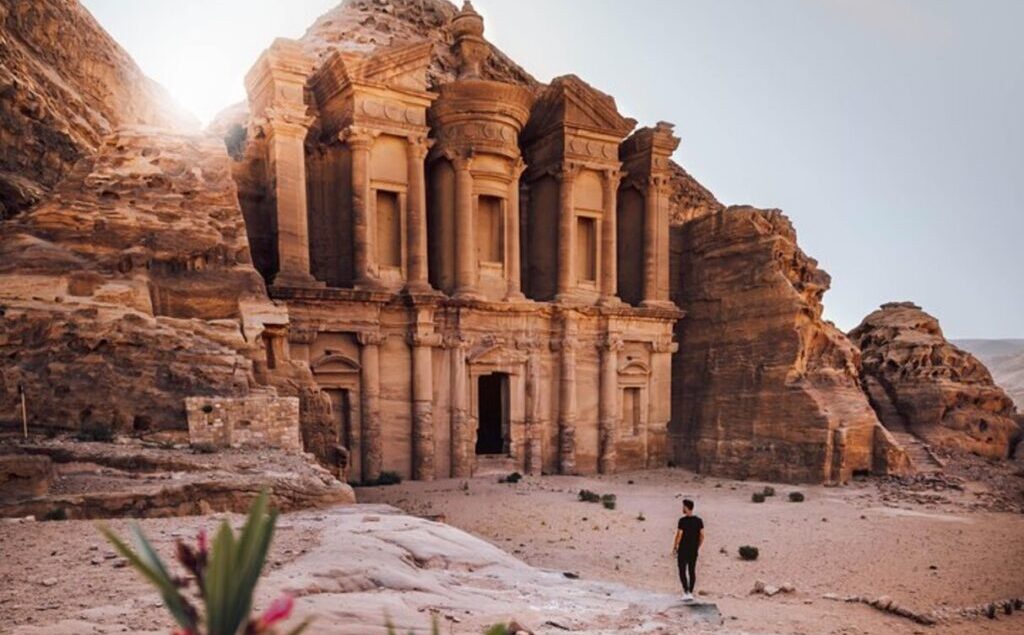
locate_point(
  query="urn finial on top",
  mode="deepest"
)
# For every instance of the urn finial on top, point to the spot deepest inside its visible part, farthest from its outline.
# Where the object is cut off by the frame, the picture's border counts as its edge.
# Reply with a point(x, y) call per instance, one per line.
point(470, 46)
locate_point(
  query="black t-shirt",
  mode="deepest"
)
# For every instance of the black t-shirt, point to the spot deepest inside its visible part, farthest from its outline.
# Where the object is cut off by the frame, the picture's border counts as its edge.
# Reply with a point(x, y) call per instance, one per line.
point(690, 526)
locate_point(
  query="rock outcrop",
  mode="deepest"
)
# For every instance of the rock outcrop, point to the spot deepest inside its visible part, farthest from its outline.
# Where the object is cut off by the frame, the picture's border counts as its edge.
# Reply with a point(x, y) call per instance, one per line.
point(931, 388)
point(131, 289)
point(1005, 360)
point(763, 386)
point(64, 85)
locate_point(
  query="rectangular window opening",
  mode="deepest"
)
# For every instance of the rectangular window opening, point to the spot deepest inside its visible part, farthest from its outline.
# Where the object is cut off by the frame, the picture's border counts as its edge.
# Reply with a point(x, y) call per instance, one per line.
point(631, 410)
point(389, 229)
point(490, 230)
point(586, 248)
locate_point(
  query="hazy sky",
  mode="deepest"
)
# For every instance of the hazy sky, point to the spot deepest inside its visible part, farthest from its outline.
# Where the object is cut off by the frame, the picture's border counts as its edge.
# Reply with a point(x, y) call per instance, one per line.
point(890, 131)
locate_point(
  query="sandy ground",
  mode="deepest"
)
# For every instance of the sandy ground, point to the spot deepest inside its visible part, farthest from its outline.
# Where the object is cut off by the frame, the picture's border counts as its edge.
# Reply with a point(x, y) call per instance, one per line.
point(854, 540)
point(927, 550)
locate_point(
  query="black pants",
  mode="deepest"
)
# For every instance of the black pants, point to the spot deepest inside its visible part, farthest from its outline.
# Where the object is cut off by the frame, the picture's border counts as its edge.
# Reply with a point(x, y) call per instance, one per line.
point(687, 561)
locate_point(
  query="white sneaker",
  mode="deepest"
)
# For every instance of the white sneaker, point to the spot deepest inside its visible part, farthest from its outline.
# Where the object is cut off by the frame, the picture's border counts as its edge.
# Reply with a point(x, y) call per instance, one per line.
point(687, 597)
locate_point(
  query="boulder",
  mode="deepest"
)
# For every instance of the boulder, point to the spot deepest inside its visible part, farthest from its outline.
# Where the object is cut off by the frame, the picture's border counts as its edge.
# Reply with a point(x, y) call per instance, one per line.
point(927, 386)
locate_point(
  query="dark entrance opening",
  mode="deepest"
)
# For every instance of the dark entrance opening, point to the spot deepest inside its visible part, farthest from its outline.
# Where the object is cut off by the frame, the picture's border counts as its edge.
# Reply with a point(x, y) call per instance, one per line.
point(341, 405)
point(492, 413)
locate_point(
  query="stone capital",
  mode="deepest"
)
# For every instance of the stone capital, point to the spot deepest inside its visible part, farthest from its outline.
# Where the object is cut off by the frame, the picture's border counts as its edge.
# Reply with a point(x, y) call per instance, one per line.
point(612, 178)
point(371, 338)
point(568, 172)
point(611, 343)
point(418, 146)
point(358, 137)
point(455, 340)
point(430, 340)
point(664, 345)
point(288, 122)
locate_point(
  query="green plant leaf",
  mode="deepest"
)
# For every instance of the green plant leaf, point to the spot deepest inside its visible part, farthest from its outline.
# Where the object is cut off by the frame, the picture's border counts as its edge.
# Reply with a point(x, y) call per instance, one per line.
point(218, 581)
point(301, 627)
point(497, 629)
point(153, 570)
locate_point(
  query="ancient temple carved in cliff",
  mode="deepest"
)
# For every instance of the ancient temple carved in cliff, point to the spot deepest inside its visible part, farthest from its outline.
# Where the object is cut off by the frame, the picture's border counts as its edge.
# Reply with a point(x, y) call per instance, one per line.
point(477, 275)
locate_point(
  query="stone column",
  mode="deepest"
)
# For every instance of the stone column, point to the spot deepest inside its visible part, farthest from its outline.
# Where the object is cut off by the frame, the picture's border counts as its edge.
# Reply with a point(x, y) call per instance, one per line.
point(364, 242)
point(369, 392)
point(609, 239)
point(567, 399)
point(286, 137)
point(659, 401)
point(608, 406)
point(534, 420)
point(460, 460)
point(656, 243)
point(513, 271)
point(650, 287)
point(423, 406)
point(416, 204)
point(566, 232)
point(465, 238)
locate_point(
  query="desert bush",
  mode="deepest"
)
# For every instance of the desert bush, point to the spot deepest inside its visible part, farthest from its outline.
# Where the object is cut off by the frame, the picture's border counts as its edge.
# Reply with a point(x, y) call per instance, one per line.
point(796, 497)
point(768, 490)
point(57, 513)
point(641, 517)
point(588, 496)
point(204, 448)
point(749, 553)
point(514, 477)
point(99, 432)
point(608, 500)
point(225, 576)
point(757, 497)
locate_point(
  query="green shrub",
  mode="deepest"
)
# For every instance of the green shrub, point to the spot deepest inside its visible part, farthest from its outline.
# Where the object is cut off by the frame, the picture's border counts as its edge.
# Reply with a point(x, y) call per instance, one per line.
point(225, 575)
point(514, 477)
point(641, 517)
point(204, 448)
point(757, 497)
point(589, 497)
point(768, 490)
point(796, 497)
point(57, 513)
point(608, 500)
point(749, 553)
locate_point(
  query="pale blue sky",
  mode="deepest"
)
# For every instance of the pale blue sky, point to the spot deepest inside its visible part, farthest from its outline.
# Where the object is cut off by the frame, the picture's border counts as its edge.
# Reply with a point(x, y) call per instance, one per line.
point(890, 131)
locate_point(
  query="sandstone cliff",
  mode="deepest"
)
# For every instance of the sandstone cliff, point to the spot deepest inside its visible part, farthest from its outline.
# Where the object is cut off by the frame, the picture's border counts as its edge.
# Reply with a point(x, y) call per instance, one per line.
point(762, 386)
point(1005, 360)
point(64, 85)
point(131, 288)
point(930, 387)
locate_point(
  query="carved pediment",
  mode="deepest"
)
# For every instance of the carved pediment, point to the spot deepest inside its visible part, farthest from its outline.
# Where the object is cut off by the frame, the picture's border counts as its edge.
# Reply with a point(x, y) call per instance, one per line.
point(333, 362)
point(496, 355)
point(401, 67)
point(570, 102)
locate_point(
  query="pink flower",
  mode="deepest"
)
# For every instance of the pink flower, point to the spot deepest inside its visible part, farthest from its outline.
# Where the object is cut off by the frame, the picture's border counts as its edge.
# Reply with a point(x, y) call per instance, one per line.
point(278, 610)
point(201, 541)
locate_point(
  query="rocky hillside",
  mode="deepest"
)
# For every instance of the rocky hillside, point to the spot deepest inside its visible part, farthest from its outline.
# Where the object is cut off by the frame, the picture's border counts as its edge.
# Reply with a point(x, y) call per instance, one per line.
point(130, 288)
point(762, 386)
point(64, 85)
point(1005, 360)
point(930, 387)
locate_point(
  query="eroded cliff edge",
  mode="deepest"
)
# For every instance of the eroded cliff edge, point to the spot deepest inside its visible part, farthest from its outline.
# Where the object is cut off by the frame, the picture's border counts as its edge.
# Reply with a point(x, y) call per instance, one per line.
point(763, 387)
point(64, 85)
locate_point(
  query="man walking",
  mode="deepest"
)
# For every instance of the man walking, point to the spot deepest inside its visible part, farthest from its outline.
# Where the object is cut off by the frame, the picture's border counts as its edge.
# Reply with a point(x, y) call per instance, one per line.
point(689, 538)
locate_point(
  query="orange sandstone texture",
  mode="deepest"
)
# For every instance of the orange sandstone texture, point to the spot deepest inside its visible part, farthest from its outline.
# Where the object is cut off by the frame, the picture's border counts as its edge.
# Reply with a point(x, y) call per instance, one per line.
point(930, 387)
point(762, 386)
point(64, 84)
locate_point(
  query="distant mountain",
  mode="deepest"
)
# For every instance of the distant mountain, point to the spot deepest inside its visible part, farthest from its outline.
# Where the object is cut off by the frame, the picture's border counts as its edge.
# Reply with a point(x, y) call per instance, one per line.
point(1005, 360)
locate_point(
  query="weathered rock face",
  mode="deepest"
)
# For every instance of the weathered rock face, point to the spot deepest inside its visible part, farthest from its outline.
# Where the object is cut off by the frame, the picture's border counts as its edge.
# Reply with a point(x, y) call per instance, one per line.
point(930, 387)
point(64, 85)
point(24, 476)
point(762, 386)
point(131, 288)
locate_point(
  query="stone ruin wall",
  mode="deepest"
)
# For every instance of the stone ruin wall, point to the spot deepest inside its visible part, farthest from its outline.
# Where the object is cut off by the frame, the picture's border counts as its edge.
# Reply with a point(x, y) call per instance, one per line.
point(255, 421)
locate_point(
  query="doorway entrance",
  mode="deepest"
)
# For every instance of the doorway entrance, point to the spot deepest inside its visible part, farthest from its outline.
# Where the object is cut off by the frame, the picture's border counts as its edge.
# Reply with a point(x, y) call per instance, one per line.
point(492, 414)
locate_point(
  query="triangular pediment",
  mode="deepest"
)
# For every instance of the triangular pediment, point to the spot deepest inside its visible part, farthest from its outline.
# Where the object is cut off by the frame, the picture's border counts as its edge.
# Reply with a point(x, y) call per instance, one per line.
point(402, 66)
point(570, 102)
